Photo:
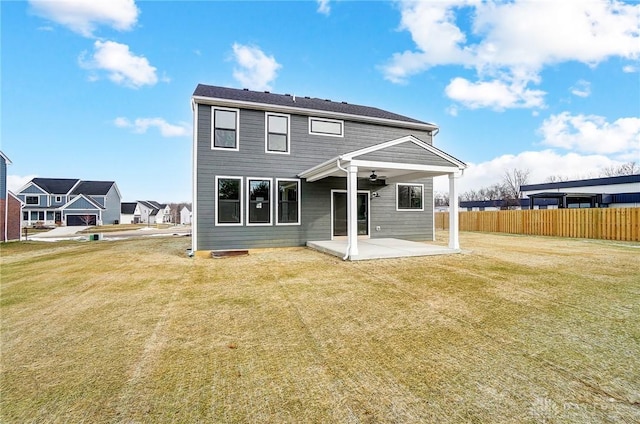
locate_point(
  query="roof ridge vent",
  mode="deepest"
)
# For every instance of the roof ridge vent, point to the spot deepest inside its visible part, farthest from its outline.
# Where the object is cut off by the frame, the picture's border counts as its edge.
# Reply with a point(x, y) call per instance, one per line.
point(307, 97)
point(345, 103)
point(327, 100)
point(245, 89)
point(266, 92)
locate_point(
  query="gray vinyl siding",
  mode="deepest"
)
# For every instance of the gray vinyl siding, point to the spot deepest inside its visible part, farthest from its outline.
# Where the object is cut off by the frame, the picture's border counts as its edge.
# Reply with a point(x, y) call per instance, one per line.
point(80, 203)
point(112, 205)
point(406, 153)
point(307, 150)
point(3, 179)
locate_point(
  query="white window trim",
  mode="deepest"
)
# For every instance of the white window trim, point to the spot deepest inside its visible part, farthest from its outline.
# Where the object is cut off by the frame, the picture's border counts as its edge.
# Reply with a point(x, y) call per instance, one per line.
point(58, 199)
point(260, 224)
point(266, 133)
point(315, 118)
point(277, 199)
point(213, 129)
point(227, 224)
point(398, 209)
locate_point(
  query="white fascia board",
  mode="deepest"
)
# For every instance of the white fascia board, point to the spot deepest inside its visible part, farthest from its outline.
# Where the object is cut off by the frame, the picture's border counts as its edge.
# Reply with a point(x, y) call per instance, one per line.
point(6, 159)
point(72, 188)
point(213, 101)
point(311, 173)
point(443, 170)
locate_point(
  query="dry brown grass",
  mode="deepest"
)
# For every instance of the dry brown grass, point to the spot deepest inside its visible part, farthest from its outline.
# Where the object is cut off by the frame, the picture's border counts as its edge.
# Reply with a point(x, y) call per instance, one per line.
point(519, 329)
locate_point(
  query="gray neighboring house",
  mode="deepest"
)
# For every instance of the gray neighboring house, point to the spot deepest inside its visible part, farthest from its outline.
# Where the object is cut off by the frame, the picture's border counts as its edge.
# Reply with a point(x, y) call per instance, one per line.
point(276, 170)
point(64, 201)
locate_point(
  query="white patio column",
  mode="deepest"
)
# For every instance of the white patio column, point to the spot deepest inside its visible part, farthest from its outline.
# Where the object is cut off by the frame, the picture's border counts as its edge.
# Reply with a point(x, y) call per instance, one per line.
point(352, 210)
point(454, 242)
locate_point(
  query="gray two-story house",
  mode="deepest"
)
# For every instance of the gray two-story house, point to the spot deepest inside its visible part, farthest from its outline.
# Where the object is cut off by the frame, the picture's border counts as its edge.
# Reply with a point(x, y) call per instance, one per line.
point(70, 201)
point(282, 170)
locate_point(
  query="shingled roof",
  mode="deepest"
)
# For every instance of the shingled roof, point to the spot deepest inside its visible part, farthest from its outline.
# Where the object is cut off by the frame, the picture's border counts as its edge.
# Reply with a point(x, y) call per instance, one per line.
point(55, 185)
point(93, 188)
point(300, 102)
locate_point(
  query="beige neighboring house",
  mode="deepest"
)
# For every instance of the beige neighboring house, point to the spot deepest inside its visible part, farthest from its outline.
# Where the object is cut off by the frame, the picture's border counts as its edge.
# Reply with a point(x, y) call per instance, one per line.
point(185, 215)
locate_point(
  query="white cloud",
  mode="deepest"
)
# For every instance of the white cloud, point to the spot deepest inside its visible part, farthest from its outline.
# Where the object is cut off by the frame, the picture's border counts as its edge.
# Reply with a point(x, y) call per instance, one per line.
point(122, 66)
point(255, 69)
point(629, 69)
point(324, 7)
point(542, 164)
point(496, 94)
point(513, 41)
point(592, 134)
point(581, 88)
point(16, 182)
point(141, 125)
point(84, 16)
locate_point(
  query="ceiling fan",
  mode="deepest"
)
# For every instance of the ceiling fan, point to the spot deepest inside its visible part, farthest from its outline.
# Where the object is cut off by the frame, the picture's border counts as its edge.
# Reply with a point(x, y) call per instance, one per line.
point(374, 177)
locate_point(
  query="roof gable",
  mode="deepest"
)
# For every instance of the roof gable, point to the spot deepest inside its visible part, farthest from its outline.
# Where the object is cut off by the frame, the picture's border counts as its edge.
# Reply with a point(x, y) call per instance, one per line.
point(82, 202)
point(408, 144)
point(304, 105)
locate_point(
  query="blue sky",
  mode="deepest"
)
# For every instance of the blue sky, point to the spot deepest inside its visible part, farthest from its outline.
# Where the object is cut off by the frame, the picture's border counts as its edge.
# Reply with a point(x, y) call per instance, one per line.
point(101, 90)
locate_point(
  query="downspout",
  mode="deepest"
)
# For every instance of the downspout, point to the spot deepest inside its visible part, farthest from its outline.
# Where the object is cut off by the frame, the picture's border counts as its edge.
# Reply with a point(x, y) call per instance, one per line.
point(346, 255)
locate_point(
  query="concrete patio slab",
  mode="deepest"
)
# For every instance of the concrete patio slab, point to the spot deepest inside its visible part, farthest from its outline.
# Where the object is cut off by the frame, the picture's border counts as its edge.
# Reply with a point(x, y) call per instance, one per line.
point(381, 248)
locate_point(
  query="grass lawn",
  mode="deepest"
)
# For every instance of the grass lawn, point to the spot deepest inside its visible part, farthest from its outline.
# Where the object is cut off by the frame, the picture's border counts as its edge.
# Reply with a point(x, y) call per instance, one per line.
point(518, 330)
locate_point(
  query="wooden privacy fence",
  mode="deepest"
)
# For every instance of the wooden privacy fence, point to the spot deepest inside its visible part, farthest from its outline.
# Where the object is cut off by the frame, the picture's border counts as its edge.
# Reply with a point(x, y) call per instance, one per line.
point(596, 223)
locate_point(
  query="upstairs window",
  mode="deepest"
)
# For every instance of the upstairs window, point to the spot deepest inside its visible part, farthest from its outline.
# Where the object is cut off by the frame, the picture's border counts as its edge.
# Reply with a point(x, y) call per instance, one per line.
point(328, 127)
point(32, 200)
point(288, 192)
point(228, 201)
point(277, 138)
point(58, 199)
point(225, 128)
point(409, 197)
point(259, 201)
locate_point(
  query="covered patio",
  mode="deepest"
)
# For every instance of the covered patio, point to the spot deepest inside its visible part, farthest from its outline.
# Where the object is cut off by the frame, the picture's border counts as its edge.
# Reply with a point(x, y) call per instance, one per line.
point(382, 248)
point(404, 159)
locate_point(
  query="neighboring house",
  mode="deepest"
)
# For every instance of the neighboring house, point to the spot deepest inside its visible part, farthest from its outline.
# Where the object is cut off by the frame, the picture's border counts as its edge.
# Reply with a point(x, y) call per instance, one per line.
point(127, 213)
point(152, 212)
point(496, 205)
point(609, 192)
point(63, 201)
point(280, 170)
point(10, 206)
point(185, 215)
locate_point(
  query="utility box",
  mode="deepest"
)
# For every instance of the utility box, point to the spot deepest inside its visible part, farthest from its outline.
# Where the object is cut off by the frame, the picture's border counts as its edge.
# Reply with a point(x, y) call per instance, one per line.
point(95, 237)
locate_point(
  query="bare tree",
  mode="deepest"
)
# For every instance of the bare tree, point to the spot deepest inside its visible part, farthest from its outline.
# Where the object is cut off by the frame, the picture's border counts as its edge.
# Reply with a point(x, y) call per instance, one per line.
point(441, 199)
point(629, 168)
point(513, 179)
point(88, 220)
point(556, 178)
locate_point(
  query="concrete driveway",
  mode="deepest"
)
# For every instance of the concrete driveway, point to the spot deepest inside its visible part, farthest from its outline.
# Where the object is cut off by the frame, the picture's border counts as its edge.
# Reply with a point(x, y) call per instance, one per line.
point(58, 232)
